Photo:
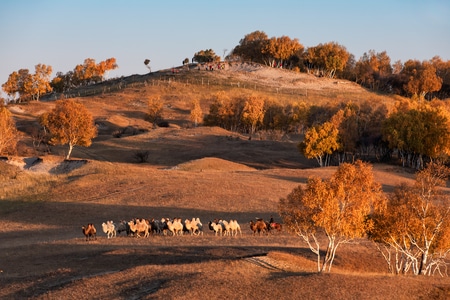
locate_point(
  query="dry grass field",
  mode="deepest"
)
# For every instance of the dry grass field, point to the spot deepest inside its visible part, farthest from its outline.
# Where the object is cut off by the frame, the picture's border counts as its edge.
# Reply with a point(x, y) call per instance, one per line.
point(204, 172)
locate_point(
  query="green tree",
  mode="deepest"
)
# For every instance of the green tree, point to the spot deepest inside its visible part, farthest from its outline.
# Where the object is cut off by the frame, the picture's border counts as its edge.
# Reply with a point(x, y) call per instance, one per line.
point(70, 123)
point(8, 132)
point(320, 140)
point(337, 208)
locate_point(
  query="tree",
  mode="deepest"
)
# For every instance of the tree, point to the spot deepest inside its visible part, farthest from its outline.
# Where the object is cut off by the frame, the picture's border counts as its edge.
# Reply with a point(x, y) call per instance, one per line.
point(41, 81)
point(337, 208)
point(253, 112)
point(225, 112)
point(155, 109)
point(147, 64)
point(320, 140)
point(326, 59)
point(413, 231)
point(374, 69)
point(421, 78)
point(251, 47)
point(204, 56)
point(418, 132)
point(196, 114)
point(8, 132)
point(279, 50)
point(70, 123)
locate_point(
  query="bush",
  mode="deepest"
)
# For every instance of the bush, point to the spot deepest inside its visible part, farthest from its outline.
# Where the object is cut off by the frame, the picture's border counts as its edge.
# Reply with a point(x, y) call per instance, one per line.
point(141, 156)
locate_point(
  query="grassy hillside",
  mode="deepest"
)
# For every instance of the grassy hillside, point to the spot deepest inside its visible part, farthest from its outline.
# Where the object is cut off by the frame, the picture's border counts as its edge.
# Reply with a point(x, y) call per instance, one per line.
point(204, 172)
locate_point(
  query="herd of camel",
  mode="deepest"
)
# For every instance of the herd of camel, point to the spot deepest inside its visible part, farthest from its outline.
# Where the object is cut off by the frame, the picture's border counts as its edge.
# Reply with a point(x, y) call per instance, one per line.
point(174, 227)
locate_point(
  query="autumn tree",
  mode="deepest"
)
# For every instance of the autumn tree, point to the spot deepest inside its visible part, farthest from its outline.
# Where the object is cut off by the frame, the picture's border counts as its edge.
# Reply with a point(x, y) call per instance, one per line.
point(87, 73)
point(251, 47)
point(359, 126)
point(336, 208)
point(69, 123)
point(225, 111)
point(418, 132)
point(421, 78)
point(279, 49)
point(253, 112)
point(155, 109)
point(320, 141)
point(326, 59)
point(28, 86)
point(443, 72)
point(204, 56)
point(90, 72)
point(373, 70)
point(8, 131)
point(196, 114)
point(41, 81)
point(413, 231)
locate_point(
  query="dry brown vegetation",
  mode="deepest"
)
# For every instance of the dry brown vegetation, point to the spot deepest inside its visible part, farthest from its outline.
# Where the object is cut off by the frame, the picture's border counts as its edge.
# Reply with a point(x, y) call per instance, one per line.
point(190, 172)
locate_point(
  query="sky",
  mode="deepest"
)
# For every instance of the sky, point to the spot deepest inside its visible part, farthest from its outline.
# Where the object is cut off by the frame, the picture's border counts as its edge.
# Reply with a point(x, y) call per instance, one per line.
point(63, 34)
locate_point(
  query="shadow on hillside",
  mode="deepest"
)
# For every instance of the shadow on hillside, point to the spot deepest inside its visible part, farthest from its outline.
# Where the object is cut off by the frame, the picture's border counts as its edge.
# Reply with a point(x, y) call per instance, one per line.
point(72, 262)
point(173, 148)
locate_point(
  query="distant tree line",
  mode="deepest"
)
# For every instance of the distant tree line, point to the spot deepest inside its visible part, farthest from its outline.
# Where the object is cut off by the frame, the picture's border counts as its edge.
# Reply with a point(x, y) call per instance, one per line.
point(374, 70)
point(411, 131)
point(22, 86)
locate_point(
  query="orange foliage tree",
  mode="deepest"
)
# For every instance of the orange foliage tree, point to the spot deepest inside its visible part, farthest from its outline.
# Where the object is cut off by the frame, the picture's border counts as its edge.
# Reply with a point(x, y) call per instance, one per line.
point(413, 231)
point(418, 132)
point(326, 59)
point(196, 114)
point(155, 109)
point(337, 208)
point(421, 78)
point(8, 132)
point(253, 112)
point(320, 141)
point(70, 123)
point(28, 86)
point(280, 49)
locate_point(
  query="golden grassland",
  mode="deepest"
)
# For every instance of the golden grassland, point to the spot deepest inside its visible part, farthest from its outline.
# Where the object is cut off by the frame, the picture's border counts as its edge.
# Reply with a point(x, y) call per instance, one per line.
point(204, 172)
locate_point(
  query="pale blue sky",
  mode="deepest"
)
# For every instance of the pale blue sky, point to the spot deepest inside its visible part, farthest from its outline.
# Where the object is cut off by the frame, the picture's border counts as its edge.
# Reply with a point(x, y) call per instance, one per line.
point(63, 33)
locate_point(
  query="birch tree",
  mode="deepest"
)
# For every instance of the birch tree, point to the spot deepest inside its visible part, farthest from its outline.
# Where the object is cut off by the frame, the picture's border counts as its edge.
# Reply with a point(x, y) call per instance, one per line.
point(70, 123)
point(8, 132)
point(320, 141)
point(336, 208)
point(413, 232)
point(196, 114)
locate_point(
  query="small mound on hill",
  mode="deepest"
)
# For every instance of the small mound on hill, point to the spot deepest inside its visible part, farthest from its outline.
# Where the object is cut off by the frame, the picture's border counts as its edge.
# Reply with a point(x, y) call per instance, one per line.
point(212, 164)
